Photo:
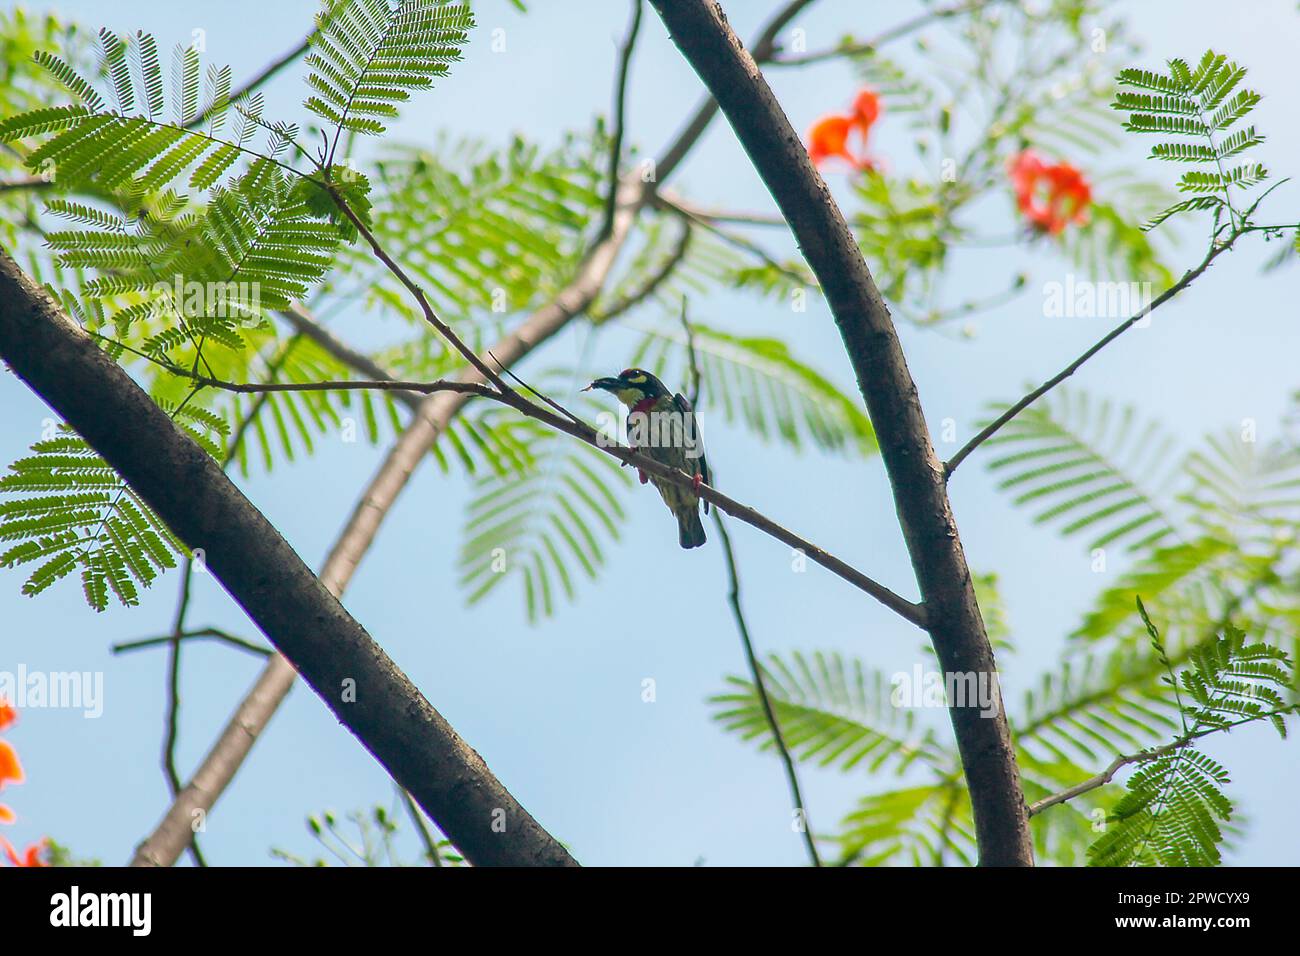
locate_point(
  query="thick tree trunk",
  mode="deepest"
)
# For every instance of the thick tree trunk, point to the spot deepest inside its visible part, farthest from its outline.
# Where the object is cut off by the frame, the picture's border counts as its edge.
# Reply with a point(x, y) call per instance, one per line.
point(700, 30)
point(342, 663)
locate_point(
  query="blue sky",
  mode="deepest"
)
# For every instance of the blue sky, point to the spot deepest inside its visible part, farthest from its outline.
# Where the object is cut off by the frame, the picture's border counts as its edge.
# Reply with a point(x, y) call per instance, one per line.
point(556, 709)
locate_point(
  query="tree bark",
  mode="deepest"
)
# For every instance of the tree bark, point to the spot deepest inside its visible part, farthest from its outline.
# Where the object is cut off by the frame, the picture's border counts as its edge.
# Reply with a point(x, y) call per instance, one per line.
point(342, 663)
point(700, 30)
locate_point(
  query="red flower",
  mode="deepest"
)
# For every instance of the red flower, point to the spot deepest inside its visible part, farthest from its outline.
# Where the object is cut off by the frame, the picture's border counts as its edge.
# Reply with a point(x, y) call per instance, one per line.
point(866, 109)
point(1063, 198)
point(11, 771)
point(829, 136)
point(31, 856)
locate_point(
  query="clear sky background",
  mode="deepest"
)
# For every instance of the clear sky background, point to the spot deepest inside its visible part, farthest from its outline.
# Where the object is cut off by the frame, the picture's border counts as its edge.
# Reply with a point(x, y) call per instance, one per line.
point(556, 709)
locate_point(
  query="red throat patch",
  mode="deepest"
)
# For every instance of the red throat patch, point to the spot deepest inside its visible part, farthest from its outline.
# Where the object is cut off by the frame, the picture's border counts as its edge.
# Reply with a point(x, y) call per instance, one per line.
point(644, 405)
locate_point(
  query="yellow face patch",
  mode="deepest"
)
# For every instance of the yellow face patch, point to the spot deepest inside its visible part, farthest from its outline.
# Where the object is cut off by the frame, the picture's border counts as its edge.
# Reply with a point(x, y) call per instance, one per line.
point(637, 379)
point(630, 396)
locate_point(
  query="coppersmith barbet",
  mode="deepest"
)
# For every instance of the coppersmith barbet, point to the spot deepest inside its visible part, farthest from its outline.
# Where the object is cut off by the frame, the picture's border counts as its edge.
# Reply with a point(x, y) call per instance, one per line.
point(663, 426)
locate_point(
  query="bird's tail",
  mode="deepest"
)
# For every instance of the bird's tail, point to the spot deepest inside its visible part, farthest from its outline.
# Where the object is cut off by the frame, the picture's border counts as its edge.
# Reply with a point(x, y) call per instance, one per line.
point(689, 527)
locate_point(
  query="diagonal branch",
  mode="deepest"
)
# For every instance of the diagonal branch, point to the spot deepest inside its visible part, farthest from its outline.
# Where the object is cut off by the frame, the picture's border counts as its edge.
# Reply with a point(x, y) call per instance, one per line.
point(1123, 760)
point(433, 416)
point(343, 664)
point(564, 420)
point(700, 30)
point(994, 426)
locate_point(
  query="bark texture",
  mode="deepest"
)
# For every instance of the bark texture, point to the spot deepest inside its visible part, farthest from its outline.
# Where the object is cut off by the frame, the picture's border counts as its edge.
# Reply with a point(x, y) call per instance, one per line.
point(343, 664)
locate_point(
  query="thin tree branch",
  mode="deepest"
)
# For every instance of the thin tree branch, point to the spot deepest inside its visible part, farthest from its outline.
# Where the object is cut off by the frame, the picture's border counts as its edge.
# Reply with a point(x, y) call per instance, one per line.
point(722, 216)
point(700, 30)
point(267, 73)
point(302, 320)
point(737, 612)
point(204, 633)
point(866, 47)
point(1105, 777)
point(993, 427)
point(653, 282)
point(620, 120)
point(433, 416)
point(569, 423)
point(732, 238)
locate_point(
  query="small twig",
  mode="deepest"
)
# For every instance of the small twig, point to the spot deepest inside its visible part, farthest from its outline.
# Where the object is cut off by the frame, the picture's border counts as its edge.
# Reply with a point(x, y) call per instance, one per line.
point(206, 633)
point(751, 659)
point(429, 314)
point(267, 72)
point(993, 427)
point(554, 404)
point(572, 425)
point(1105, 777)
point(732, 238)
point(866, 47)
point(650, 286)
point(620, 121)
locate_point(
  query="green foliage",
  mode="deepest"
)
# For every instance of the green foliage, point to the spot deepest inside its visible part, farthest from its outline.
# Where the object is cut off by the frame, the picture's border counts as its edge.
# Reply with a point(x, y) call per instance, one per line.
point(1093, 706)
point(1201, 105)
point(1208, 527)
point(1072, 459)
point(833, 711)
point(135, 149)
point(67, 508)
point(485, 232)
point(1174, 804)
point(362, 838)
point(910, 826)
point(368, 55)
point(553, 508)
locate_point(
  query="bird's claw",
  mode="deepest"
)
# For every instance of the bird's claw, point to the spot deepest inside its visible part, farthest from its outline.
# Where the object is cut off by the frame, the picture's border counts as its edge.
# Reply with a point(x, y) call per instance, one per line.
point(643, 476)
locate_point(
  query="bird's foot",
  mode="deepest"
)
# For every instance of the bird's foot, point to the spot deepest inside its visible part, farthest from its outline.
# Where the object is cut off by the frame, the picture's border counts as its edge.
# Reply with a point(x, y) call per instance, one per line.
point(643, 476)
point(699, 480)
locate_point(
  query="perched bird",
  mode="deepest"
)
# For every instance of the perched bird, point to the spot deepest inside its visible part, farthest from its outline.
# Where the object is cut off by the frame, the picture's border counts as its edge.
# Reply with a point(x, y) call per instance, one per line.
point(662, 425)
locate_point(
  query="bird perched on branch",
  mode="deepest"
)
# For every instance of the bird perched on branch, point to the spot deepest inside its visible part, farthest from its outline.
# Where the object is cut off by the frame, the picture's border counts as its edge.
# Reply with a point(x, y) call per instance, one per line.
point(662, 425)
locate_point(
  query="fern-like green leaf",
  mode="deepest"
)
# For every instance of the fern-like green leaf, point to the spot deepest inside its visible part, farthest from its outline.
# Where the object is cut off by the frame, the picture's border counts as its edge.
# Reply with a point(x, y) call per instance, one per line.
point(1072, 461)
point(833, 711)
point(67, 509)
point(369, 54)
point(544, 521)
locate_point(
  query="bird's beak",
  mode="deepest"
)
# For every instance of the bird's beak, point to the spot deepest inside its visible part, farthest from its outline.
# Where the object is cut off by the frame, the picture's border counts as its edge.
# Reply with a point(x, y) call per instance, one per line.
point(604, 384)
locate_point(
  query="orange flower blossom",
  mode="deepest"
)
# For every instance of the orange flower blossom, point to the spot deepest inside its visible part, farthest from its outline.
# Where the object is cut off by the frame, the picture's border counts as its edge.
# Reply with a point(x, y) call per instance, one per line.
point(1050, 196)
point(829, 136)
point(11, 771)
point(30, 857)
